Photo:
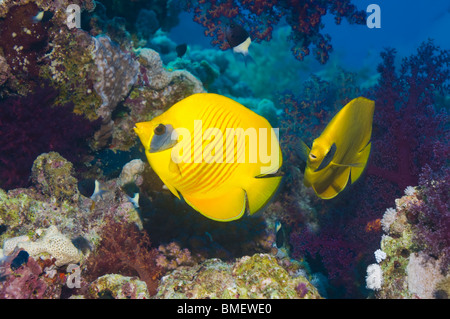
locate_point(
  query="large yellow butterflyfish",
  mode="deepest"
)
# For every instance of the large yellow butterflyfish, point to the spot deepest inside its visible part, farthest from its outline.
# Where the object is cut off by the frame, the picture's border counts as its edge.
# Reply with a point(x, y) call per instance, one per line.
point(341, 152)
point(217, 154)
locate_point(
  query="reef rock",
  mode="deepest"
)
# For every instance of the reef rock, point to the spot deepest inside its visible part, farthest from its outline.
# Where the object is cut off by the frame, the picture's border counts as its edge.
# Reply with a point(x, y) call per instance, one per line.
point(405, 271)
point(257, 276)
point(118, 287)
point(52, 175)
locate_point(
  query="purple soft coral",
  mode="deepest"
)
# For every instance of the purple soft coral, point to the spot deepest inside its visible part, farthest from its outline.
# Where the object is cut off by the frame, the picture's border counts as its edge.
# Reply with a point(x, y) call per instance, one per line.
point(433, 214)
point(406, 125)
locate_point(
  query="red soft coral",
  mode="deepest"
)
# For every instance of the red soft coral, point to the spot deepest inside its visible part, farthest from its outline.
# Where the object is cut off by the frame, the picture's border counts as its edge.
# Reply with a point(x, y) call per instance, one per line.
point(127, 251)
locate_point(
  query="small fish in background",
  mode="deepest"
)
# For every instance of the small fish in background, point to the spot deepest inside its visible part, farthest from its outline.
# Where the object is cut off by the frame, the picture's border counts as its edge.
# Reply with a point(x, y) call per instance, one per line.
point(340, 154)
point(239, 40)
point(181, 50)
point(19, 260)
point(219, 189)
point(132, 192)
point(281, 240)
point(141, 203)
point(3, 229)
point(82, 244)
point(279, 234)
point(91, 188)
point(42, 16)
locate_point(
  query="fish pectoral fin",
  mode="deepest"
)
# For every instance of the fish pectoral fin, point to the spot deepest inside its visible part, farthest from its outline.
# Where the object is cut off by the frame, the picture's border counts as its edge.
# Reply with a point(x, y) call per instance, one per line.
point(174, 168)
point(225, 207)
point(260, 191)
point(348, 165)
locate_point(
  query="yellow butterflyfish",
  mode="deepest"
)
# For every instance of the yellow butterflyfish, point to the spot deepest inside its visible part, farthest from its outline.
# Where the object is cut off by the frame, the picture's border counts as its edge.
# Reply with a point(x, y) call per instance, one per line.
point(341, 152)
point(220, 156)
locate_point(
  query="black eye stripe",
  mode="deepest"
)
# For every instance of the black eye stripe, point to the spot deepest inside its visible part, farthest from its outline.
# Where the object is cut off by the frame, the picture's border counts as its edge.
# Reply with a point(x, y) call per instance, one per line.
point(327, 158)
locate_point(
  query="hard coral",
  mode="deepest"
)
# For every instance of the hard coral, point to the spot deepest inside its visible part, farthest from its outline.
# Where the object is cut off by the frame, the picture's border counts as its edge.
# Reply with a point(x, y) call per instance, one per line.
point(260, 18)
point(53, 243)
point(30, 125)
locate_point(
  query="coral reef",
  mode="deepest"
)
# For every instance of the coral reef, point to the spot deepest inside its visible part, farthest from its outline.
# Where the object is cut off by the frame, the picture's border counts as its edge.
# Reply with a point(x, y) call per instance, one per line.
point(125, 250)
point(350, 225)
point(404, 99)
point(412, 267)
point(116, 72)
point(131, 173)
point(29, 129)
point(113, 286)
point(172, 256)
point(29, 281)
point(431, 214)
point(257, 276)
point(157, 90)
point(23, 211)
point(260, 17)
point(23, 42)
point(52, 175)
point(51, 242)
point(90, 74)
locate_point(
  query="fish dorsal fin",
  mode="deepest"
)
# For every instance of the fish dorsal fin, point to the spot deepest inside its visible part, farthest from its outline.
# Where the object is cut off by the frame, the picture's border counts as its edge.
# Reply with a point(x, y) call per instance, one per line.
point(223, 208)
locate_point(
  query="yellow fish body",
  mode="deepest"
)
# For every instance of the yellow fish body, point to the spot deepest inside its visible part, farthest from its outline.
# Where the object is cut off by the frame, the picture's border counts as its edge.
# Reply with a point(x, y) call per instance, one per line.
point(219, 155)
point(341, 152)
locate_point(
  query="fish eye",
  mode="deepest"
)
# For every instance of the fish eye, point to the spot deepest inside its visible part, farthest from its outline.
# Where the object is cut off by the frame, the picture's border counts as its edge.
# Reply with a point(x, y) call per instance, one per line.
point(160, 129)
point(312, 156)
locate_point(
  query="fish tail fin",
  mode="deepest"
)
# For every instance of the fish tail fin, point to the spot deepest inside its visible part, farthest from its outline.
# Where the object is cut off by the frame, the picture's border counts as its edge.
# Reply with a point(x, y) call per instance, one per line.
point(260, 191)
point(363, 158)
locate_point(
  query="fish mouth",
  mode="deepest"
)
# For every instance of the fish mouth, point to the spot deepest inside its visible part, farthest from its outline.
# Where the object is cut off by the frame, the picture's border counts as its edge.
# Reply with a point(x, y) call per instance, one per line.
point(144, 131)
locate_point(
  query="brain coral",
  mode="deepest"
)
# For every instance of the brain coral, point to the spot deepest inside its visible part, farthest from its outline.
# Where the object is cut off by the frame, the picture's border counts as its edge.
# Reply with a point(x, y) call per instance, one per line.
point(53, 243)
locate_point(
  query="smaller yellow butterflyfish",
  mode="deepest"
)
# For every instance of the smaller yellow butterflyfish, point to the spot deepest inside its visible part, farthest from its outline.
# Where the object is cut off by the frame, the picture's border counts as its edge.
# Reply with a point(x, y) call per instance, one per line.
point(218, 155)
point(341, 152)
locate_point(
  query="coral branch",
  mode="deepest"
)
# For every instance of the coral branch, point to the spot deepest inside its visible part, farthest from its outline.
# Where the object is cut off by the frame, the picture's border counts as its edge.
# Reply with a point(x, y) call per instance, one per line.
point(260, 18)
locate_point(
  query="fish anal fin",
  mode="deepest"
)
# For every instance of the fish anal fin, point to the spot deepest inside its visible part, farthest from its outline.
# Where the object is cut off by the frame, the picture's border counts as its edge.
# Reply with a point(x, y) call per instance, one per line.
point(225, 207)
point(260, 191)
point(335, 187)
